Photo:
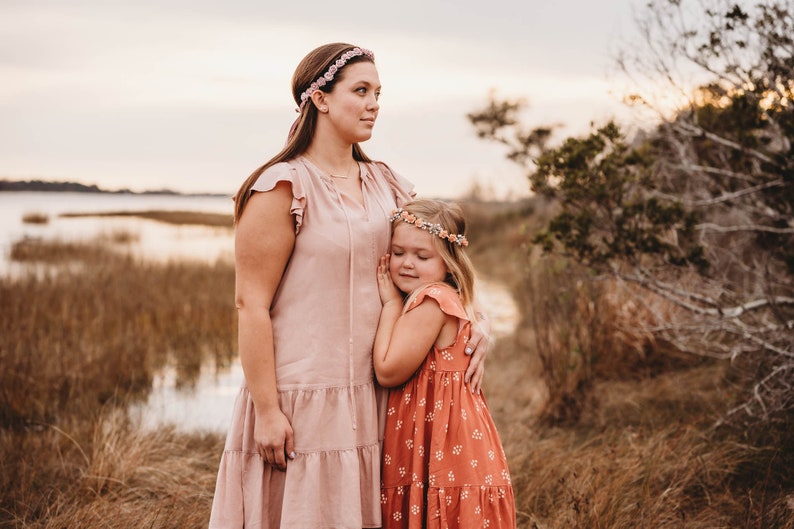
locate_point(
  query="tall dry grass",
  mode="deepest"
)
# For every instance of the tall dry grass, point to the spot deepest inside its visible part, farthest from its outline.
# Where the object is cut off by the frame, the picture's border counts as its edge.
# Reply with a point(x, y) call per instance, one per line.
point(603, 426)
point(201, 218)
point(105, 471)
point(80, 341)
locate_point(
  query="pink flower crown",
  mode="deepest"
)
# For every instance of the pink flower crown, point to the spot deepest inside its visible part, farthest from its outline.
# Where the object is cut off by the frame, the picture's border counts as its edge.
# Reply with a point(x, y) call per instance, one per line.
point(328, 76)
point(433, 229)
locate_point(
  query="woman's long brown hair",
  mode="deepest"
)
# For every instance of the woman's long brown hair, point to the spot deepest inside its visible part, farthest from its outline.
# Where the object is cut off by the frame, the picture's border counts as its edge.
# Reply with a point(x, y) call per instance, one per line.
point(315, 64)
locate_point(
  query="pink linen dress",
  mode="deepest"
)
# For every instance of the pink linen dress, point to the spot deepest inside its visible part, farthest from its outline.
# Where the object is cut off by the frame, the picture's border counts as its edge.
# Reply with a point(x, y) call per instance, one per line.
point(324, 316)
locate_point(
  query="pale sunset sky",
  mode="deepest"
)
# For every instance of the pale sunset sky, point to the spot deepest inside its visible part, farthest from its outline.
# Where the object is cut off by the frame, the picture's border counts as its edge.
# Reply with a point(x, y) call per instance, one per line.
point(192, 95)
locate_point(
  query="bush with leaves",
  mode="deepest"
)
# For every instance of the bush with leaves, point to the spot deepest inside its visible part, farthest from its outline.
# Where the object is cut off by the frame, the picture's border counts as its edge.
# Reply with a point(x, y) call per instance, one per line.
point(698, 210)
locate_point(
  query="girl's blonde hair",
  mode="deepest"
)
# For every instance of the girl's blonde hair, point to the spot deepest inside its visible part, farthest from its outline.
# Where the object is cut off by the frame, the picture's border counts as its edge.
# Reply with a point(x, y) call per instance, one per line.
point(449, 215)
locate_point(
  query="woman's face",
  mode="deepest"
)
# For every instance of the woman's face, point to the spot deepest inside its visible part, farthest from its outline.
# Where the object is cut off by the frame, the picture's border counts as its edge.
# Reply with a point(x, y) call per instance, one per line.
point(353, 103)
point(414, 260)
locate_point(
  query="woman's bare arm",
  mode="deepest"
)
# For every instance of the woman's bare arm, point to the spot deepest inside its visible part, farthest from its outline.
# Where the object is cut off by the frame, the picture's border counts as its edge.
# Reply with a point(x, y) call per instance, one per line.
point(264, 239)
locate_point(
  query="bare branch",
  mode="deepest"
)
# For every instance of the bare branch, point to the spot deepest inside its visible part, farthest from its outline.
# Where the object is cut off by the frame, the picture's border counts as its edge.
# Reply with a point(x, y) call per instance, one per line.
point(708, 226)
point(690, 128)
point(765, 344)
point(680, 298)
point(718, 171)
point(757, 396)
point(725, 197)
point(644, 277)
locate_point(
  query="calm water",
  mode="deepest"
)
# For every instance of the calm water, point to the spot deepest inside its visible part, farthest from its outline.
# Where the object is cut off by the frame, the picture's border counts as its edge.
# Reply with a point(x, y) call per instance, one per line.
point(153, 239)
point(208, 404)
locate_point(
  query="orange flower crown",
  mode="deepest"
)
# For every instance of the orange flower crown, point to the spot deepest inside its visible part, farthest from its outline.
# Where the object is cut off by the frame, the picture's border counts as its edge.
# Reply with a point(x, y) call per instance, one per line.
point(434, 229)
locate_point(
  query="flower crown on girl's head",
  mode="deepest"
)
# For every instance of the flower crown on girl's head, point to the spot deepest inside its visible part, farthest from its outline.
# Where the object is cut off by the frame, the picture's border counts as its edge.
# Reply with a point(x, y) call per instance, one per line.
point(434, 229)
point(328, 76)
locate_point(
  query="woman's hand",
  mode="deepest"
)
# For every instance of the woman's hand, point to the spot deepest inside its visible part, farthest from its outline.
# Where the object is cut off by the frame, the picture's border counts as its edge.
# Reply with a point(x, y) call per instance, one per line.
point(388, 292)
point(478, 349)
point(273, 438)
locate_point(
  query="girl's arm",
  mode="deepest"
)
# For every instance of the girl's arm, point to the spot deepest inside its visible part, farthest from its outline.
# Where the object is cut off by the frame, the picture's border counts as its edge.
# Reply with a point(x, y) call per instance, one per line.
point(402, 341)
point(264, 239)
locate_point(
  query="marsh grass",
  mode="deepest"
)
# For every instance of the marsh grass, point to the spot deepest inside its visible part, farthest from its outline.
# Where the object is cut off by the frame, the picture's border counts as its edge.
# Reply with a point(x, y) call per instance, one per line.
point(35, 218)
point(77, 344)
point(106, 471)
point(200, 218)
point(34, 250)
point(603, 427)
point(80, 336)
point(119, 236)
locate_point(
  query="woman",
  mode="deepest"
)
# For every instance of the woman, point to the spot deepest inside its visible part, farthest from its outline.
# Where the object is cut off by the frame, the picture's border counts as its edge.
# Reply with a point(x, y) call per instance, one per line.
point(303, 449)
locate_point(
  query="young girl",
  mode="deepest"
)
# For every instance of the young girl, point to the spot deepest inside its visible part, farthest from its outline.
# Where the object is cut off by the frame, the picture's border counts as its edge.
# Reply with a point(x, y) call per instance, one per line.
point(443, 462)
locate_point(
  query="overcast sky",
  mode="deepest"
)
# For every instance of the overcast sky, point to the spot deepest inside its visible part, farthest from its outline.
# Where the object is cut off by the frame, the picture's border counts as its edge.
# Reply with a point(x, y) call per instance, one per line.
point(193, 95)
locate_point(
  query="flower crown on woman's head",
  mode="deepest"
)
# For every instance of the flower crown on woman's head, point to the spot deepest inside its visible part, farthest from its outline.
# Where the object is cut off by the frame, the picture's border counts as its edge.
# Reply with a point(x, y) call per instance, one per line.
point(434, 229)
point(328, 76)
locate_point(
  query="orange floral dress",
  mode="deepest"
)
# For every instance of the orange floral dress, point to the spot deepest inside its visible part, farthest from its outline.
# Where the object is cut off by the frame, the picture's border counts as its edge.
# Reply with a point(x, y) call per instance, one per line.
point(443, 463)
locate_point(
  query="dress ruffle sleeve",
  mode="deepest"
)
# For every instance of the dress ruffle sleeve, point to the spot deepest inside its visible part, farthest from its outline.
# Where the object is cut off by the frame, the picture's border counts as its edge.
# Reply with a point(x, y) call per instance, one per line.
point(402, 188)
point(283, 172)
point(446, 297)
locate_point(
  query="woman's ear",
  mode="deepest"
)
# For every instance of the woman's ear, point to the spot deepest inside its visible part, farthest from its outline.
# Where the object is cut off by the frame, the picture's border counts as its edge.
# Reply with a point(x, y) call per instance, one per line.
point(319, 100)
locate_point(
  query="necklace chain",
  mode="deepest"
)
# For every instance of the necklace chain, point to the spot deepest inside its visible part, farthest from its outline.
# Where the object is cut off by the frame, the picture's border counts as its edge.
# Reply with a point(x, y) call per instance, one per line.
point(346, 175)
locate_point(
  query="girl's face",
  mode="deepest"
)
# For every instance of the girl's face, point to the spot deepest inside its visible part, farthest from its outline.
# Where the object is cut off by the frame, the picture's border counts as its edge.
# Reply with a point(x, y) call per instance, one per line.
point(353, 103)
point(414, 259)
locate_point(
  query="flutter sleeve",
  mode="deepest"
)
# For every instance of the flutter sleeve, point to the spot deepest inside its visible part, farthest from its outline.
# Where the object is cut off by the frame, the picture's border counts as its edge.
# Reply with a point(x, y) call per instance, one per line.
point(446, 297)
point(283, 172)
point(402, 188)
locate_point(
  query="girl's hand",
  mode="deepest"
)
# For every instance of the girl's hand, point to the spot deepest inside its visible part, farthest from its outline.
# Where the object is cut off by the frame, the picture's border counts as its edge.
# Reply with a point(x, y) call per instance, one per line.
point(388, 292)
point(478, 349)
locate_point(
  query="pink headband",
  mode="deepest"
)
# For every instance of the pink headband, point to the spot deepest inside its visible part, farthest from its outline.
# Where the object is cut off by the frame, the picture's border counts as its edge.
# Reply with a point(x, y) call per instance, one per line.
point(328, 76)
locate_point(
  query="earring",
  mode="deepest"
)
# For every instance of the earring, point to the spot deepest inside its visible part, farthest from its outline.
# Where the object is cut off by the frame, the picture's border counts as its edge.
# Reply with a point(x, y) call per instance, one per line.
point(324, 109)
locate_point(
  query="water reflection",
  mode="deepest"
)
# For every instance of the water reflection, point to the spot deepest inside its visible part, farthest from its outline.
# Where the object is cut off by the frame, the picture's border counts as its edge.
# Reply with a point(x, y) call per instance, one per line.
point(206, 405)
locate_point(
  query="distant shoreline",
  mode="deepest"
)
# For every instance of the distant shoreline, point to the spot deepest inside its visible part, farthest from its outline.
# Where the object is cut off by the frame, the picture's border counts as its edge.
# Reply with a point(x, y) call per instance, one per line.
point(75, 187)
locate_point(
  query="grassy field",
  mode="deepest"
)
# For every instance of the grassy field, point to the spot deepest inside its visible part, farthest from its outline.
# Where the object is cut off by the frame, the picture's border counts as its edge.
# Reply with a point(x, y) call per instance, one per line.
point(603, 426)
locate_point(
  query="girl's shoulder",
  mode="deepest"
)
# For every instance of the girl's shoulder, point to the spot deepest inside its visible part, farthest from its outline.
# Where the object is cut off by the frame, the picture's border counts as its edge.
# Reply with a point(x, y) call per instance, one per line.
point(447, 298)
